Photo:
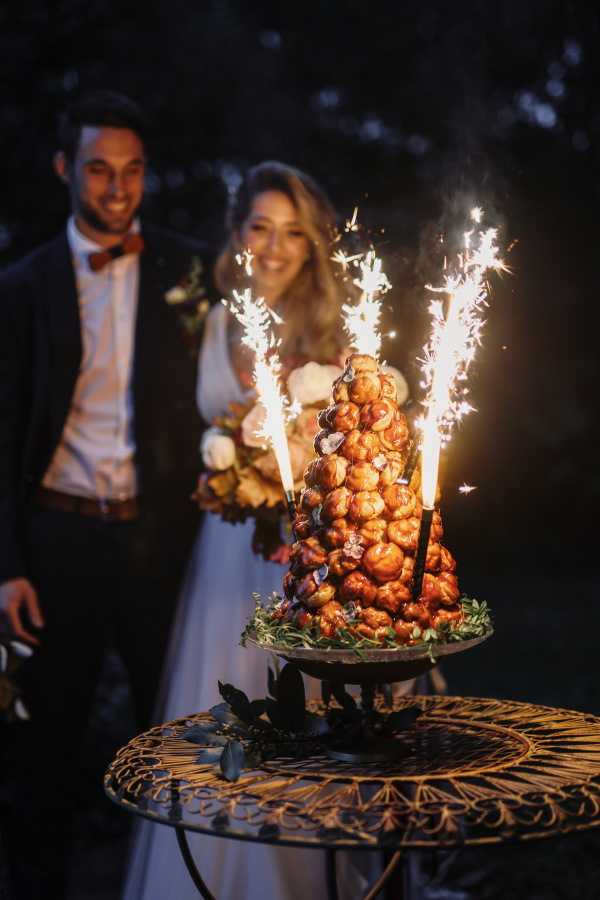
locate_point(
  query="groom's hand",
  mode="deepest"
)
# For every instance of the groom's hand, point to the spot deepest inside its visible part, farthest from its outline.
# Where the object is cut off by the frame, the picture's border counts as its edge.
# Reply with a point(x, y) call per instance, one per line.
point(16, 596)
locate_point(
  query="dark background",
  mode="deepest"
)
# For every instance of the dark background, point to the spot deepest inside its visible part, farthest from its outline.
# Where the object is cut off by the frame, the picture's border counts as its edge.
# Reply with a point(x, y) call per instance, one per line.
point(414, 111)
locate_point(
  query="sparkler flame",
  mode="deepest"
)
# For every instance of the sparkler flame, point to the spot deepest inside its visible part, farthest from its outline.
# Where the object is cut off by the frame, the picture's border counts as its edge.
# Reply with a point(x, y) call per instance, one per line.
point(454, 339)
point(361, 320)
point(256, 319)
point(245, 259)
point(352, 224)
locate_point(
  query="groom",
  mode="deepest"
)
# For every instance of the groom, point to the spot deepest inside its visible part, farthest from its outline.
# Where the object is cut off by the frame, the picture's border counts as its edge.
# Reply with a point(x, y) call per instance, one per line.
point(98, 456)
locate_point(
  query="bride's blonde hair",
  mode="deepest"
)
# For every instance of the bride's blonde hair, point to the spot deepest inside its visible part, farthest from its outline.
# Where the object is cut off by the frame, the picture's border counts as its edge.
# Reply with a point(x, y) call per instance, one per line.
point(310, 307)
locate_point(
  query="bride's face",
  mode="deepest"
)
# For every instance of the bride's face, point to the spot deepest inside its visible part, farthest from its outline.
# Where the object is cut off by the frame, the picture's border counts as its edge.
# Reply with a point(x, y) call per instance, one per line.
point(275, 237)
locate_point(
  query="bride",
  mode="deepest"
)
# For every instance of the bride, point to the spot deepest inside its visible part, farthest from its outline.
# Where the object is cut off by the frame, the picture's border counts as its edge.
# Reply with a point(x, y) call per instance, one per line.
point(286, 221)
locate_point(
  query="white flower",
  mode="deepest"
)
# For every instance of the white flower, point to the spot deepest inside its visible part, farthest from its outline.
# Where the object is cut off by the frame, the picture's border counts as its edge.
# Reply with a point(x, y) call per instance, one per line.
point(312, 383)
point(218, 450)
point(21, 649)
point(252, 423)
point(21, 710)
point(176, 295)
point(401, 383)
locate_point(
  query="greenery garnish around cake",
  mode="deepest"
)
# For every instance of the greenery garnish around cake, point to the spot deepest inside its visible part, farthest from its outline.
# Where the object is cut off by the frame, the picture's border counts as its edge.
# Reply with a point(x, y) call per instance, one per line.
point(273, 625)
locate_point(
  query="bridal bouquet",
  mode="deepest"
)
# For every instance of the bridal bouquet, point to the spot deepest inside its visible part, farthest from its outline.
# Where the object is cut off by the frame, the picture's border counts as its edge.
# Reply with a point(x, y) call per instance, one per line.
point(241, 477)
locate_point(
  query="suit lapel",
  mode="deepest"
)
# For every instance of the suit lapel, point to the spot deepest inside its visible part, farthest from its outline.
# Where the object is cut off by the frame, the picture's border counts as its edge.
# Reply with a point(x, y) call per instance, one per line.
point(58, 288)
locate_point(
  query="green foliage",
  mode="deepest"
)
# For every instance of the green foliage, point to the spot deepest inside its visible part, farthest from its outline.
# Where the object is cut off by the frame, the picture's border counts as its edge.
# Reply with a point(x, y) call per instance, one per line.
point(283, 726)
point(285, 635)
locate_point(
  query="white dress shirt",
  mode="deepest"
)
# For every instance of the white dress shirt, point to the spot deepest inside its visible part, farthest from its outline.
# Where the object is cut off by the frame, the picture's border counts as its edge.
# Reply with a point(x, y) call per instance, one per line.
point(95, 456)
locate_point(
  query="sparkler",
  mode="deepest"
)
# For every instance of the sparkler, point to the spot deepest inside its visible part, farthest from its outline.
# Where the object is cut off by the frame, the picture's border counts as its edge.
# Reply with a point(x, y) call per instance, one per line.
point(361, 320)
point(256, 319)
point(455, 337)
point(411, 463)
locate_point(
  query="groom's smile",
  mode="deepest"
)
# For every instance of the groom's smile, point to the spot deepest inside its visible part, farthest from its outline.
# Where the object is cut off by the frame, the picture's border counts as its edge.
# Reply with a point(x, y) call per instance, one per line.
point(106, 182)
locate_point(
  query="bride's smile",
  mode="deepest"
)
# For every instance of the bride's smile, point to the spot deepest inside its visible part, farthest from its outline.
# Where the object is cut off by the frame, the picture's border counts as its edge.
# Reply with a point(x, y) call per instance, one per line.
point(278, 244)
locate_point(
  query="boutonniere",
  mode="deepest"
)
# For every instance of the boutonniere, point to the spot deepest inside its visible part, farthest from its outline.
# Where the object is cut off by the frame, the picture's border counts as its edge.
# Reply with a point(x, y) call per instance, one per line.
point(189, 298)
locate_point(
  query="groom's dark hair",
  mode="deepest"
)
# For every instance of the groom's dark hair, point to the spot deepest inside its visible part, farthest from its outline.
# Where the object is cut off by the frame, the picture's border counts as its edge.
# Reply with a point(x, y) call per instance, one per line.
point(100, 108)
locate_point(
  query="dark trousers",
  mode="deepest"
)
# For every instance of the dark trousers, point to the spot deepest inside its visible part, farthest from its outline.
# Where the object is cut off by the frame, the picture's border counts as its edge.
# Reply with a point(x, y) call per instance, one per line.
point(100, 584)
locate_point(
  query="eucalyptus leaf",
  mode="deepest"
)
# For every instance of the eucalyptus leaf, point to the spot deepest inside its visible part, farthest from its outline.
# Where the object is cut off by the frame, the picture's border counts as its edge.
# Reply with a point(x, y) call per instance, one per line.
point(210, 757)
point(238, 701)
point(215, 740)
point(224, 716)
point(232, 760)
point(258, 708)
point(199, 735)
point(275, 713)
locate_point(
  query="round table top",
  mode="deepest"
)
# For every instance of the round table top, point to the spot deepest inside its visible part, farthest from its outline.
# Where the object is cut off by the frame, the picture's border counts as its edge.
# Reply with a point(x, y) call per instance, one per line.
point(472, 771)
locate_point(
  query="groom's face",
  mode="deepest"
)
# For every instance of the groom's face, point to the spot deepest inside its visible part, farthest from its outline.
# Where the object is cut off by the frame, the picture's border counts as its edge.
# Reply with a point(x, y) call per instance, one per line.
point(106, 179)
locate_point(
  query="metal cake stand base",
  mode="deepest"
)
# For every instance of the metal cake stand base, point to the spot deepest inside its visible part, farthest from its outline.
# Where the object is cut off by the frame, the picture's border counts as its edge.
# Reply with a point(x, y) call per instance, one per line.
point(368, 668)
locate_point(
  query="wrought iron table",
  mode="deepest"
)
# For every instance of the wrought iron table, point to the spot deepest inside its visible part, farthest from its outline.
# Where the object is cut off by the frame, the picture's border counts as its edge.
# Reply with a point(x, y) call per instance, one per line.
point(472, 771)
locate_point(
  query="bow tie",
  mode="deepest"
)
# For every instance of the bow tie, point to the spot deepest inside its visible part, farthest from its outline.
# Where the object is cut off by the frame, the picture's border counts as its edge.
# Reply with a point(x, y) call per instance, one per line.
point(132, 243)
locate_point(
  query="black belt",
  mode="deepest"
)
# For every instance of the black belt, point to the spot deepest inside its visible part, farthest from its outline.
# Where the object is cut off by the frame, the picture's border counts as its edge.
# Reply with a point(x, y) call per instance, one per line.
point(108, 510)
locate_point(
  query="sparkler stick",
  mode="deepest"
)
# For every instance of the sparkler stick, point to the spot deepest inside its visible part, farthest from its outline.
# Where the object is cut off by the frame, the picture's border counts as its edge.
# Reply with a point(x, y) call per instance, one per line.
point(421, 554)
point(448, 355)
point(411, 463)
point(256, 319)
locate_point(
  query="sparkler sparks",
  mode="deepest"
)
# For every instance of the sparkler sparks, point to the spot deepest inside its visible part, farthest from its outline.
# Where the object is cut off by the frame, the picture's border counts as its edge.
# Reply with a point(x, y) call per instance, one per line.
point(352, 224)
point(361, 320)
point(256, 319)
point(455, 337)
point(245, 259)
point(343, 260)
point(467, 488)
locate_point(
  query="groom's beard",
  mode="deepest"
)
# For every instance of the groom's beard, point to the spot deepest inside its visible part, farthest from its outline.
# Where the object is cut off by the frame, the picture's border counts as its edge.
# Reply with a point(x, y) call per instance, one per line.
point(95, 220)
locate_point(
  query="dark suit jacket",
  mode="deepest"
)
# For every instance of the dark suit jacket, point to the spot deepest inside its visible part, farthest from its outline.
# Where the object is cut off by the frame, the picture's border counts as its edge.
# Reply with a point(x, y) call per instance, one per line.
point(40, 354)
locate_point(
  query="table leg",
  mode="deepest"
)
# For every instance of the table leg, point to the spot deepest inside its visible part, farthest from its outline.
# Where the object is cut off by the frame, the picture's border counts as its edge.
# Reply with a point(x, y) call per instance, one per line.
point(191, 865)
point(385, 876)
point(331, 875)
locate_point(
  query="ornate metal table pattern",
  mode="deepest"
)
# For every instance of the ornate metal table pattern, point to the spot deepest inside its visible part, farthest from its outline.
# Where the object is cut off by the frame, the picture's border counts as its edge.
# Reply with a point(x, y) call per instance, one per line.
point(473, 771)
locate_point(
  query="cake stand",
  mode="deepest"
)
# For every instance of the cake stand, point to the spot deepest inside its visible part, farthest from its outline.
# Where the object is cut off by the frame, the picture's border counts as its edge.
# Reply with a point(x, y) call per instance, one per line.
point(370, 737)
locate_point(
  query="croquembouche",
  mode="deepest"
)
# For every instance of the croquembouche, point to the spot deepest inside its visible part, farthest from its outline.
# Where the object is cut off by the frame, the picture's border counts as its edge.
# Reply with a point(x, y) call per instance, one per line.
point(357, 525)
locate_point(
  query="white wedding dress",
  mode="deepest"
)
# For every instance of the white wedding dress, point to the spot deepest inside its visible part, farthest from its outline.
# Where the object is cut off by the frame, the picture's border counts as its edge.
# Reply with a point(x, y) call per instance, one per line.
point(214, 607)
